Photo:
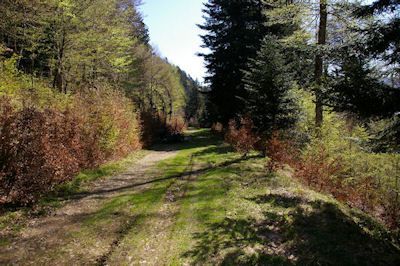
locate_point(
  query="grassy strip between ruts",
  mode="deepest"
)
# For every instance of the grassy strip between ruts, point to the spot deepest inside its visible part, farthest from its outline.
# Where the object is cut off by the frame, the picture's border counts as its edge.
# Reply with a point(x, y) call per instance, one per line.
point(97, 234)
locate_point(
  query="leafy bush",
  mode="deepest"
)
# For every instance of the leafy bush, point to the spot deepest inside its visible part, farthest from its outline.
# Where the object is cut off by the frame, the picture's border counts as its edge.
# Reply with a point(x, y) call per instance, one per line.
point(364, 180)
point(38, 150)
point(175, 128)
point(43, 147)
point(241, 136)
point(27, 90)
point(109, 123)
point(322, 171)
point(337, 161)
point(152, 127)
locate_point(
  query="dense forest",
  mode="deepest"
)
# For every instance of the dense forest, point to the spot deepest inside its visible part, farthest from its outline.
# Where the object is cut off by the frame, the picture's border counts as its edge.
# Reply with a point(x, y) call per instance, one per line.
point(286, 154)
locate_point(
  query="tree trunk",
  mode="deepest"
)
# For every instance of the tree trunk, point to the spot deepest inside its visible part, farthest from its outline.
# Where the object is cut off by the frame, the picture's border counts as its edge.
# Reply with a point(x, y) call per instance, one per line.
point(319, 63)
point(58, 81)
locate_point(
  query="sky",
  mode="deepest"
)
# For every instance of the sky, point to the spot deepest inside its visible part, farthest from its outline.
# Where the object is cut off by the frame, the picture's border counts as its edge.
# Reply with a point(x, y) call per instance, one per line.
point(173, 32)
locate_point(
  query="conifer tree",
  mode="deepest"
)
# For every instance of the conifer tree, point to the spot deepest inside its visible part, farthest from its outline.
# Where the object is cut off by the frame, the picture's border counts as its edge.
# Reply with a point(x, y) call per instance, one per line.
point(362, 61)
point(356, 87)
point(235, 29)
point(268, 84)
point(383, 35)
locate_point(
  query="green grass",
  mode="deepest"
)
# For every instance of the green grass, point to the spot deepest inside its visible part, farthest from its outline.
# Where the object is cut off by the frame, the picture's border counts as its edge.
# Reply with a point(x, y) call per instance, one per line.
point(4, 242)
point(234, 213)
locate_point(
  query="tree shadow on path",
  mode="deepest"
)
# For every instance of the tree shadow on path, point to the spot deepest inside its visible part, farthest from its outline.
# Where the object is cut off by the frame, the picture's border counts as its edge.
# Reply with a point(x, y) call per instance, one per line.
point(312, 233)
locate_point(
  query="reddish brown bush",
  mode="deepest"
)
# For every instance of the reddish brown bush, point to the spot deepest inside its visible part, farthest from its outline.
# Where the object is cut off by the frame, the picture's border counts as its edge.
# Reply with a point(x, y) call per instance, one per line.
point(330, 175)
point(390, 212)
point(109, 127)
point(40, 152)
point(280, 152)
point(317, 168)
point(322, 172)
point(241, 136)
point(41, 148)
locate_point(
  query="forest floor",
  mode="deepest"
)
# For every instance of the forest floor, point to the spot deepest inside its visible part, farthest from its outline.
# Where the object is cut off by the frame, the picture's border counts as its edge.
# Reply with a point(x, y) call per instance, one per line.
point(197, 203)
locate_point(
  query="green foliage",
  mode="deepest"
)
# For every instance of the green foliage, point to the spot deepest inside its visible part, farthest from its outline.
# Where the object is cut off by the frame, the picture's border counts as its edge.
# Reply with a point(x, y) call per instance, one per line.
point(270, 103)
point(235, 30)
point(338, 161)
point(387, 138)
point(382, 34)
point(65, 66)
point(24, 89)
point(156, 87)
point(195, 102)
point(74, 43)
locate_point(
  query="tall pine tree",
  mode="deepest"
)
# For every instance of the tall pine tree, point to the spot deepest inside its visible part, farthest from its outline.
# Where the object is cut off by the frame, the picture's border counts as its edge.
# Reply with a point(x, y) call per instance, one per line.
point(235, 29)
point(268, 83)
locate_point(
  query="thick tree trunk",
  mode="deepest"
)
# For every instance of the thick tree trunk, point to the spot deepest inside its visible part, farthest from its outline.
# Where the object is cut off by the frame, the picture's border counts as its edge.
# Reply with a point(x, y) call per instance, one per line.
point(319, 63)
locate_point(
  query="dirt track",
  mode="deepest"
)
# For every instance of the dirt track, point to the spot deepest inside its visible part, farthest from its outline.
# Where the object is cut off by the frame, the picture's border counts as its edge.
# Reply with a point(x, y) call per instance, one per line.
point(53, 236)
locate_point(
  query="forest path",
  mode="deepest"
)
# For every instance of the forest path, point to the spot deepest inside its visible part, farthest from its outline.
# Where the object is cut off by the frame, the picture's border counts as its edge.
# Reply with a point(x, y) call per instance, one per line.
point(201, 203)
point(66, 235)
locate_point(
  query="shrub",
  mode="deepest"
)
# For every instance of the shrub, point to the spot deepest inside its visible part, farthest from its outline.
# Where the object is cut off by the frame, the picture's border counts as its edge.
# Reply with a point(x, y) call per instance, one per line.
point(152, 127)
point(110, 126)
point(338, 161)
point(241, 136)
point(321, 171)
point(279, 152)
point(338, 165)
point(37, 152)
point(44, 147)
point(363, 180)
